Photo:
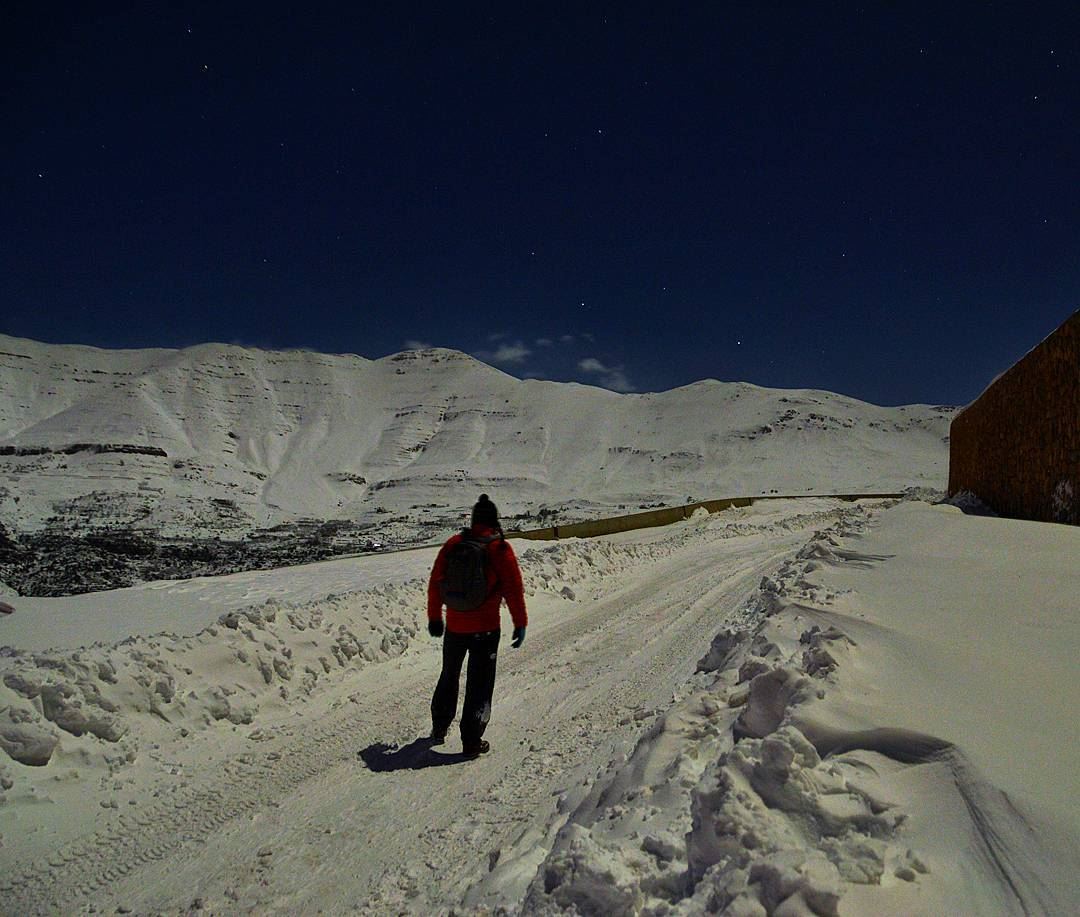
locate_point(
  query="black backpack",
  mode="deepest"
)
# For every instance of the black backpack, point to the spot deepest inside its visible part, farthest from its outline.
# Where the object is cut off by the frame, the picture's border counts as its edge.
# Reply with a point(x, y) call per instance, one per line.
point(464, 585)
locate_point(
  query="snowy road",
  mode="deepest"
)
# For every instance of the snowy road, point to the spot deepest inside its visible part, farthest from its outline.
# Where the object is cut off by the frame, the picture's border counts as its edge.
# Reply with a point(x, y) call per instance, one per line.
point(335, 806)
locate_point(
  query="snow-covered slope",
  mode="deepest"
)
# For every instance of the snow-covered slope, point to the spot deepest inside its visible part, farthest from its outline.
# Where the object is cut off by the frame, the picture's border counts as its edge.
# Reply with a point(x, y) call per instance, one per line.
point(219, 439)
point(798, 707)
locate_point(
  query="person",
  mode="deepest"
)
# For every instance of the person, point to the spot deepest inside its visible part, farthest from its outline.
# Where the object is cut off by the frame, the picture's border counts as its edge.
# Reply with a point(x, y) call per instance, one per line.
point(473, 632)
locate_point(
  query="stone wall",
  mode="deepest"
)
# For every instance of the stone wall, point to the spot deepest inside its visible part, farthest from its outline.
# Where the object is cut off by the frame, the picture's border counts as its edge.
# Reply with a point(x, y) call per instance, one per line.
point(1017, 447)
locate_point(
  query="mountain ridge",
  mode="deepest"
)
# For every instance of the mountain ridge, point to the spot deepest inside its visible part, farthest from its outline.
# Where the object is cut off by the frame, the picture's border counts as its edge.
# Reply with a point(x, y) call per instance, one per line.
point(253, 438)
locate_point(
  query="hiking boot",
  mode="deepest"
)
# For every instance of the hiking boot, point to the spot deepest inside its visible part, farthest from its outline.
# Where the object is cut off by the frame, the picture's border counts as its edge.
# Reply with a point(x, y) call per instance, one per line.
point(438, 736)
point(476, 750)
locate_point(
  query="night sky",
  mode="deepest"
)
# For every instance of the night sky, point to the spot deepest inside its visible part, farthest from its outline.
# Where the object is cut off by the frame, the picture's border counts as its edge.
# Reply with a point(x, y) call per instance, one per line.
point(879, 200)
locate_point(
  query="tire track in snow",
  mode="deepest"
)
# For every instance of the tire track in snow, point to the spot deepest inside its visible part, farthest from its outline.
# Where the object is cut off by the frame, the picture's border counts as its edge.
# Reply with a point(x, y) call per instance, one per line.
point(245, 783)
point(428, 835)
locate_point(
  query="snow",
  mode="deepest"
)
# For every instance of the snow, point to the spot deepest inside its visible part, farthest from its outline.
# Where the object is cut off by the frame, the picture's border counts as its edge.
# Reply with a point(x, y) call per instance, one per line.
point(185, 607)
point(906, 743)
point(254, 438)
point(898, 680)
point(801, 706)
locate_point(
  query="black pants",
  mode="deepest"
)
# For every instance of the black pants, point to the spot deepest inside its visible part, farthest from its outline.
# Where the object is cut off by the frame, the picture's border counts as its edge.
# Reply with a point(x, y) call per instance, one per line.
point(482, 649)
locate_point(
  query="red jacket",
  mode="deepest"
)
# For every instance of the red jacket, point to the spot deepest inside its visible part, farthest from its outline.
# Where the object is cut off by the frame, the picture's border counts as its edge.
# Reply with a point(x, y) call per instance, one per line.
point(504, 582)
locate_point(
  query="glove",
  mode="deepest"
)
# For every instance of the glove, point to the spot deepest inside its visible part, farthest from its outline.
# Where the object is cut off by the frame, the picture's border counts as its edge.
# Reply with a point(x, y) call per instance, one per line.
point(435, 628)
point(519, 637)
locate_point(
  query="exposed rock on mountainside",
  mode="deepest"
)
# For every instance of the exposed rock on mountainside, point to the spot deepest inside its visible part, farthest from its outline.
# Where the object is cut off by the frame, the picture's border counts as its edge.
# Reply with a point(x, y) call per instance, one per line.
point(95, 448)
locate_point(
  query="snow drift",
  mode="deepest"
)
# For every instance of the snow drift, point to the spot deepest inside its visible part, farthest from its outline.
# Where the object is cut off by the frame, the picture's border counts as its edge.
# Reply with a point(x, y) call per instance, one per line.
point(895, 737)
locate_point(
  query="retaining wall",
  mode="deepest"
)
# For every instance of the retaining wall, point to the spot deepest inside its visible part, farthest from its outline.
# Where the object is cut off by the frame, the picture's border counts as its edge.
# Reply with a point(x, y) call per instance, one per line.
point(1017, 447)
point(667, 516)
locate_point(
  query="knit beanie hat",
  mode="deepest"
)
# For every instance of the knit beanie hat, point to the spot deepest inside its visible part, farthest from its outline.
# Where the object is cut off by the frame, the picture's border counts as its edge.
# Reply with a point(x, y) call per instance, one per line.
point(485, 513)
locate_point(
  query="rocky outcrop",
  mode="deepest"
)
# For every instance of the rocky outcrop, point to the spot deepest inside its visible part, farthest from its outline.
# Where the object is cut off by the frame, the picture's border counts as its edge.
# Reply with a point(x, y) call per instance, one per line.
point(94, 448)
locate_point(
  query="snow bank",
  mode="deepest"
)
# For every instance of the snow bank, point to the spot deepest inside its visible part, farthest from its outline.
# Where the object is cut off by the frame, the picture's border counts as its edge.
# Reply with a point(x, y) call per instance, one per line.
point(186, 607)
point(894, 738)
point(250, 658)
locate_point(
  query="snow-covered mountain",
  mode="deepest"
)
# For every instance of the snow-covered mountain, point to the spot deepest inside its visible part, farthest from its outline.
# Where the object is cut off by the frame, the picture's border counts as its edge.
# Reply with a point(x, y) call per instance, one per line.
point(223, 439)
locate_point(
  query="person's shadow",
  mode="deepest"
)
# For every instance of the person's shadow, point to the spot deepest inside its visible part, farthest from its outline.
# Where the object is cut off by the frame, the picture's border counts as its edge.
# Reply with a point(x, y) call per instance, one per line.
point(418, 754)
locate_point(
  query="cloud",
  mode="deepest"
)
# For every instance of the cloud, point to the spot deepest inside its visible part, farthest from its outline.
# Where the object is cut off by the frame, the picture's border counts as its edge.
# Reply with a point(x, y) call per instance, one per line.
point(505, 354)
point(564, 339)
point(511, 353)
point(416, 345)
point(612, 377)
point(495, 336)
